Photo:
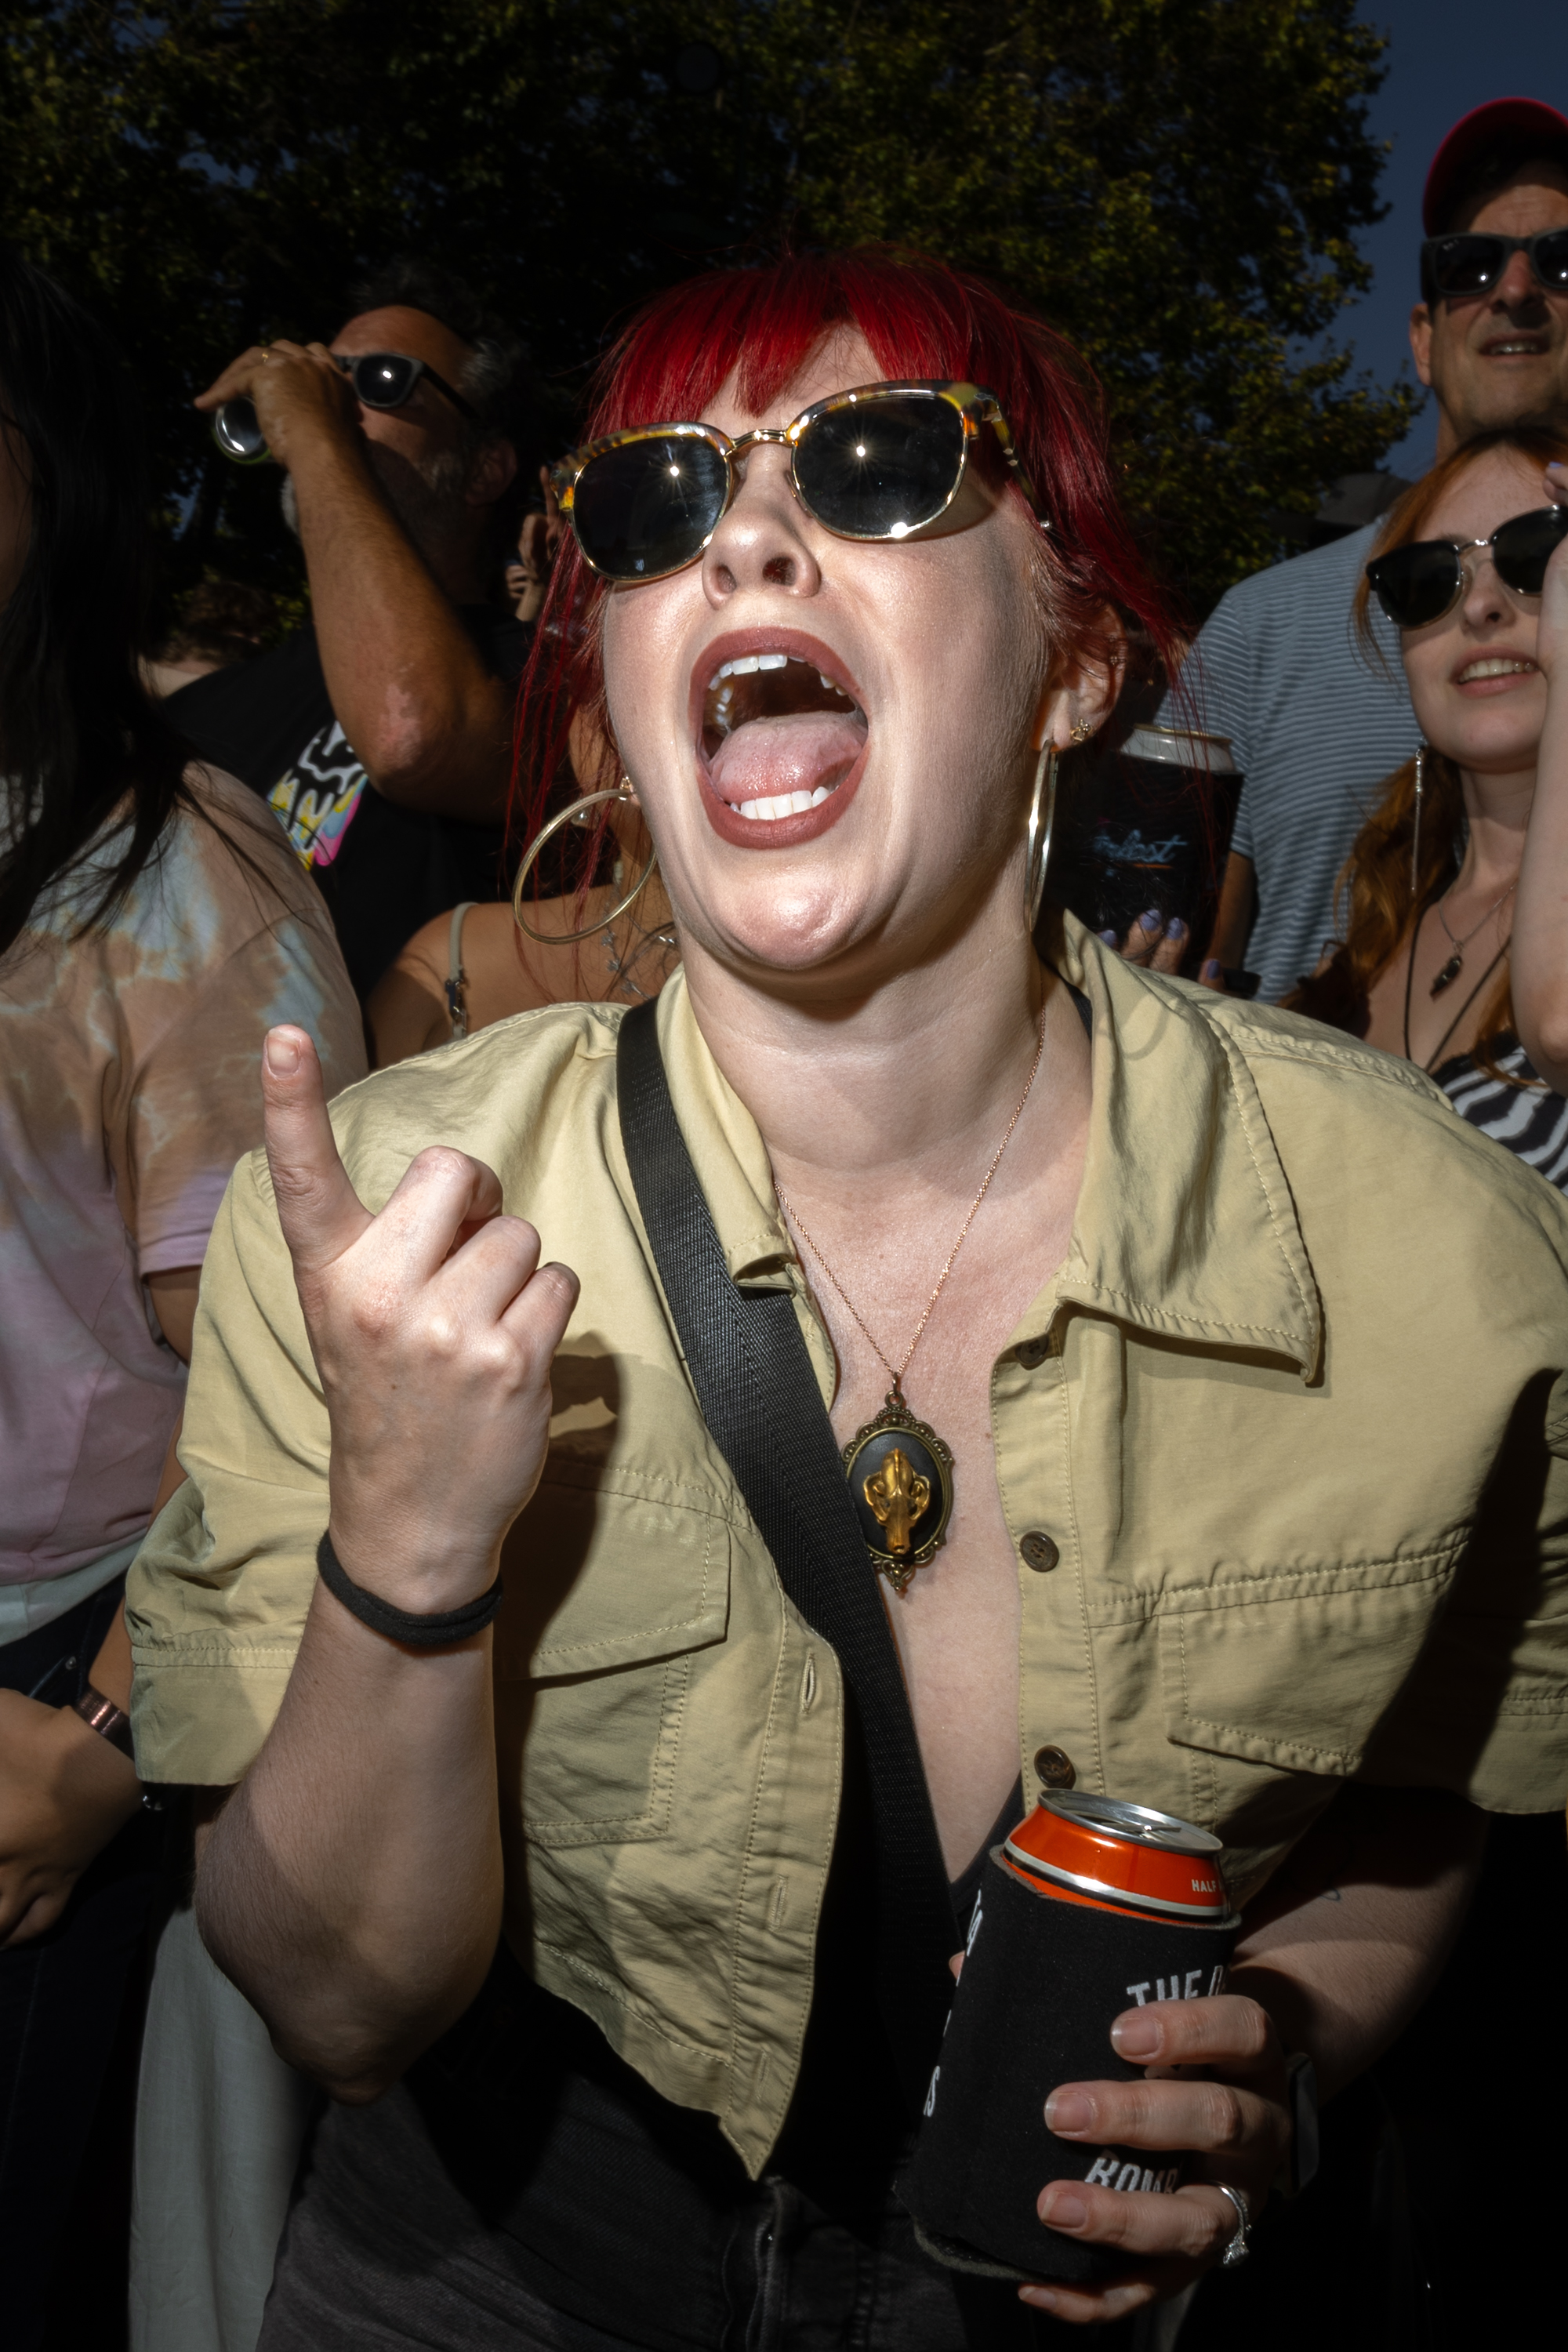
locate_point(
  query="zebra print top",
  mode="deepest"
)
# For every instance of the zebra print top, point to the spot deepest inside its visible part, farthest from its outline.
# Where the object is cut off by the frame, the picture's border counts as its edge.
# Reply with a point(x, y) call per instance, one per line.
point(1531, 1122)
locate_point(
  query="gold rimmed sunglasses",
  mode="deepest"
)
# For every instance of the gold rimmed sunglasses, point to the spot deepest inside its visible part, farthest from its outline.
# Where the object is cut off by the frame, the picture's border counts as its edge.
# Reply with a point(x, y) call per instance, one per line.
point(881, 462)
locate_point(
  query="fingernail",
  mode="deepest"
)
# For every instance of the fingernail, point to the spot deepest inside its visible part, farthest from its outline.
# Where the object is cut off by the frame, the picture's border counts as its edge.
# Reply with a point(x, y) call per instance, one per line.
point(1109, 938)
point(1062, 2209)
point(282, 1054)
point(1175, 928)
point(1211, 969)
point(1151, 921)
point(1136, 2037)
point(1039, 2298)
point(1068, 2111)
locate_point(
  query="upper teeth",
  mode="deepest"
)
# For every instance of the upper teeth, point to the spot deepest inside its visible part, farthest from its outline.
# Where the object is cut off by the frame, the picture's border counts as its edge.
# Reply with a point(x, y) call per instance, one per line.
point(1497, 668)
point(745, 665)
point(1531, 348)
point(748, 663)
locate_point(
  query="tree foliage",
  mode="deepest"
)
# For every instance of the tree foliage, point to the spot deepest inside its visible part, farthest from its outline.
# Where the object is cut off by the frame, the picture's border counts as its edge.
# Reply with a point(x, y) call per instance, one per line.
point(1178, 183)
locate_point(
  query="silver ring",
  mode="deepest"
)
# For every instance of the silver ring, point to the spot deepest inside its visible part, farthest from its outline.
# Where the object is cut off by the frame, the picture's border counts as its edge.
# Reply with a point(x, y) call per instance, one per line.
point(1236, 2246)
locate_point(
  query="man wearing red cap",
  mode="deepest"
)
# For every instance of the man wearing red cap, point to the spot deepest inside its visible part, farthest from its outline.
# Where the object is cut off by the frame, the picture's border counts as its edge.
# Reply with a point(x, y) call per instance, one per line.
point(1314, 726)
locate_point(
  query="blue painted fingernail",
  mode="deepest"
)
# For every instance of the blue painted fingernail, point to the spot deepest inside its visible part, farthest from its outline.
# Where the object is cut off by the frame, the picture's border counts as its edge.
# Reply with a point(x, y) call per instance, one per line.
point(1109, 938)
point(1211, 969)
point(1151, 921)
point(1175, 928)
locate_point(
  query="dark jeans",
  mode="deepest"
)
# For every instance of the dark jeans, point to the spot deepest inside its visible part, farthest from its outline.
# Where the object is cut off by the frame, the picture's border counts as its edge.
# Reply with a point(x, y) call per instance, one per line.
point(61, 1997)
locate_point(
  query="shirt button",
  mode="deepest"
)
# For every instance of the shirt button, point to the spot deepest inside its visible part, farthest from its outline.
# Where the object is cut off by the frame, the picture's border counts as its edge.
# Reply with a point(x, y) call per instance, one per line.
point(1032, 1353)
point(1055, 1768)
point(1039, 1552)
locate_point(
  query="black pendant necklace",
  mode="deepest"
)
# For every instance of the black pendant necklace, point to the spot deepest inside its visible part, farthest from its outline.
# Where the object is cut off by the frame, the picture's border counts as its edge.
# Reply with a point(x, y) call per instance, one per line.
point(1456, 964)
point(899, 1470)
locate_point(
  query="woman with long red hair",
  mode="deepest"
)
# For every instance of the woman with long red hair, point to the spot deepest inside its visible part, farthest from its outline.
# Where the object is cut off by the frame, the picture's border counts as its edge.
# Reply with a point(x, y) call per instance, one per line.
point(958, 1361)
point(1455, 952)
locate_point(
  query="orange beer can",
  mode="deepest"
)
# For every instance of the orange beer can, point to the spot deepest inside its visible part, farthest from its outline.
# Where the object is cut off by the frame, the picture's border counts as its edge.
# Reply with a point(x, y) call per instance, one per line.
point(1093, 1906)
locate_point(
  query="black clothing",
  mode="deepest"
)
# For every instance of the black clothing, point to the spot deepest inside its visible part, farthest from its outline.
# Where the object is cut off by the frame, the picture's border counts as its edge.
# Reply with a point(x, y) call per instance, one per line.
point(525, 2186)
point(61, 1997)
point(383, 870)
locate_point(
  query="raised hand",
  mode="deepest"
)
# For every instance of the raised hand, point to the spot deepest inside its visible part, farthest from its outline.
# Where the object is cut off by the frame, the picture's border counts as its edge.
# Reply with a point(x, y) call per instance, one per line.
point(433, 1326)
point(299, 391)
point(1228, 2103)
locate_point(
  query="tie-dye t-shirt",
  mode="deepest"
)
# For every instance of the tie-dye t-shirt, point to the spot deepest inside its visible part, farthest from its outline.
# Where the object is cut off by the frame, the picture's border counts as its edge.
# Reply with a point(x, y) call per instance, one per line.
point(130, 1084)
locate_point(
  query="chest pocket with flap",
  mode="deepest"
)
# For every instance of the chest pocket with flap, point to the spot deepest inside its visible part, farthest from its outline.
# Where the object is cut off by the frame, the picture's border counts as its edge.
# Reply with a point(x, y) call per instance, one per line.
point(1294, 1671)
point(617, 1578)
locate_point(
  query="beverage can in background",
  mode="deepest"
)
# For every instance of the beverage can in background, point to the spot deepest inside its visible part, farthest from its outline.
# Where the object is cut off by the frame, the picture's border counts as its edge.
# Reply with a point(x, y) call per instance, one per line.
point(1145, 824)
point(1091, 1906)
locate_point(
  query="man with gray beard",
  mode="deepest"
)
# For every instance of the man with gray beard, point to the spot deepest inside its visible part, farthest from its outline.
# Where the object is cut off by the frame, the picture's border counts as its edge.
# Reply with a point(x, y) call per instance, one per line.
point(381, 735)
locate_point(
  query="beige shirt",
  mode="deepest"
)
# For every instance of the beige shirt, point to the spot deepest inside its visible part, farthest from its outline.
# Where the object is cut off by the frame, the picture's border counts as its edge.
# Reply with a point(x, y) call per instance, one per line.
point(1293, 1413)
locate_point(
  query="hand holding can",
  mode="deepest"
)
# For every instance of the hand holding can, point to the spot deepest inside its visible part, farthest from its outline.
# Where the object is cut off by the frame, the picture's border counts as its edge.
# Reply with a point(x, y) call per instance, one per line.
point(1098, 1941)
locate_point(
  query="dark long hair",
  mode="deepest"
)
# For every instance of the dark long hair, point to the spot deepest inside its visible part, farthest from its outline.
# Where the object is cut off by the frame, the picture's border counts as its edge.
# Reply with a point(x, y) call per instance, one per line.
point(81, 741)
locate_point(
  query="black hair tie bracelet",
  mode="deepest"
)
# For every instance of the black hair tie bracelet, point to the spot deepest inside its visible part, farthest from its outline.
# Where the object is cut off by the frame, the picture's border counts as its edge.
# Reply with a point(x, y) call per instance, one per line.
point(430, 1630)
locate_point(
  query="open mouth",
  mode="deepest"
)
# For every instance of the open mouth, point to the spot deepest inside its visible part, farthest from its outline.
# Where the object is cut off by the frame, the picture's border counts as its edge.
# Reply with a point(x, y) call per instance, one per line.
point(1515, 347)
point(778, 735)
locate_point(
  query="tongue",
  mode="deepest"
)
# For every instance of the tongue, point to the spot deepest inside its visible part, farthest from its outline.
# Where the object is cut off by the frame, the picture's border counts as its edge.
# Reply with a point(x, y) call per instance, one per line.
point(771, 756)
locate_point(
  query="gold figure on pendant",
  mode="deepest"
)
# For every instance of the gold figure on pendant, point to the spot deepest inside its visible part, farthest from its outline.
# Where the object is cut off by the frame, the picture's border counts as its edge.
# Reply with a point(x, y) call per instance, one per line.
point(898, 1496)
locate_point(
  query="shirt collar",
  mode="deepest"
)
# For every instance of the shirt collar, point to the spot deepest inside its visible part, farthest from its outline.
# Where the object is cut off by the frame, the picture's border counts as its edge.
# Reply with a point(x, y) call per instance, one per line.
point(1186, 1223)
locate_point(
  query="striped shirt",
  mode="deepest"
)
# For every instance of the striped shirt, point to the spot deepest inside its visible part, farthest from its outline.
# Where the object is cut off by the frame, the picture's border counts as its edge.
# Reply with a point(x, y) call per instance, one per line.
point(1531, 1124)
point(1315, 727)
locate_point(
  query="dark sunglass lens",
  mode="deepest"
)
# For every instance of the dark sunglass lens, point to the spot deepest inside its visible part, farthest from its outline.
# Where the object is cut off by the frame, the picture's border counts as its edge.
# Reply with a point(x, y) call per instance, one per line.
point(1525, 547)
point(882, 468)
point(1551, 258)
point(1415, 585)
point(1467, 265)
point(382, 379)
point(647, 507)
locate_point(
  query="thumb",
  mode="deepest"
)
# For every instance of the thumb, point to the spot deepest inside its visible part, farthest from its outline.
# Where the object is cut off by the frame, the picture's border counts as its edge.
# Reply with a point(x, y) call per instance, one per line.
point(319, 1211)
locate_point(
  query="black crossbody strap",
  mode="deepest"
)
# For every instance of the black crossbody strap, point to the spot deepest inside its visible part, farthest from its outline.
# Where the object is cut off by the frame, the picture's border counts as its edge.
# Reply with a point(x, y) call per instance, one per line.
point(759, 1396)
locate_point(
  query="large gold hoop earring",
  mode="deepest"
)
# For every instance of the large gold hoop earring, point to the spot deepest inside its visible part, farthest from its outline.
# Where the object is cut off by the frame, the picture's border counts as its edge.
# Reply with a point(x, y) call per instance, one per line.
point(1038, 853)
point(574, 815)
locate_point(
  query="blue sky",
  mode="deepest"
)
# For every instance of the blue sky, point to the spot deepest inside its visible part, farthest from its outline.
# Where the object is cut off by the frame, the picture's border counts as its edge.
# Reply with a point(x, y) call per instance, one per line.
point(1445, 59)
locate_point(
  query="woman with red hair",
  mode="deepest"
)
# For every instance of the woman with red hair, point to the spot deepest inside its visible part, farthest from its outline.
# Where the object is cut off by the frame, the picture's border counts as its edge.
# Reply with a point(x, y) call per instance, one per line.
point(957, 1352)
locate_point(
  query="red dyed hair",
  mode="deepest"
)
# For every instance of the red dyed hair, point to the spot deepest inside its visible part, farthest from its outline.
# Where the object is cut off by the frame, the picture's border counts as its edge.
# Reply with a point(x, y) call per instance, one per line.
point(921, 319)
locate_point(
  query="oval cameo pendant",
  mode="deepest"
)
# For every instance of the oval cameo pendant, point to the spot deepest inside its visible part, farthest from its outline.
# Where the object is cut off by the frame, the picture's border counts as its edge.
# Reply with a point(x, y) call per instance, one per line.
point(901, 1482)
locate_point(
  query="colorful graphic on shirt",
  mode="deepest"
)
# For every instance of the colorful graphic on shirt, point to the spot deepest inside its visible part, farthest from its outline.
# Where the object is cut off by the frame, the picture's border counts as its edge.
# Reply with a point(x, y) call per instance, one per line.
point(317, 801)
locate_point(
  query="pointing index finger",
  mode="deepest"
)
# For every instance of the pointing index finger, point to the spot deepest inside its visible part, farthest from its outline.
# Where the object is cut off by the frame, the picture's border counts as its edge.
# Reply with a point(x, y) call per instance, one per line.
point(319, 1211)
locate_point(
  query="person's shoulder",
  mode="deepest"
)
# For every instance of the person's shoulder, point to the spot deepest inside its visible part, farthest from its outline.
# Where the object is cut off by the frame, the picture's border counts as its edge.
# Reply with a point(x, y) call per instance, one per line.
point(236, 839)
point(259, 674)
point(506, 1095)
point(1323, 576)
point(1355, 1111)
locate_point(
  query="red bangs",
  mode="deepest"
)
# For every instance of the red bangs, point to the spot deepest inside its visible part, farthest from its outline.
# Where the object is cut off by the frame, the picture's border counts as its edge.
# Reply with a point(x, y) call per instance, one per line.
point(921, 319)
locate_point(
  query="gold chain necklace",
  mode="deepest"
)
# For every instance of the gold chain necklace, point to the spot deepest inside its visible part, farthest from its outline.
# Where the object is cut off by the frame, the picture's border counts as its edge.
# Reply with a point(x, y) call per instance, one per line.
point(899, 1470)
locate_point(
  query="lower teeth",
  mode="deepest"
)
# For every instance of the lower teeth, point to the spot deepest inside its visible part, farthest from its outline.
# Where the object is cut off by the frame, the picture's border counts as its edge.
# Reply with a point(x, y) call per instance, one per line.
point(783, 805)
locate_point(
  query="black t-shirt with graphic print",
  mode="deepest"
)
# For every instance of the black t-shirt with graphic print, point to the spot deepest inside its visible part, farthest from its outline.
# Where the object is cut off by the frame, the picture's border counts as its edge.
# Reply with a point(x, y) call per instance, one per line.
point(383, 870)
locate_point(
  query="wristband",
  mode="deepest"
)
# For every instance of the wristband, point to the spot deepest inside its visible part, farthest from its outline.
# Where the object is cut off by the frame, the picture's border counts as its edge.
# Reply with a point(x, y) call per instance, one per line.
point(101, 1715)
point(432, 1629)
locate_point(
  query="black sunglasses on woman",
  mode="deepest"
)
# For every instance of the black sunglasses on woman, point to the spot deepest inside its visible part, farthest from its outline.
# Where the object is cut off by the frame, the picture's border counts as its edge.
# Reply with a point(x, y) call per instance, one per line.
point(1416, 584)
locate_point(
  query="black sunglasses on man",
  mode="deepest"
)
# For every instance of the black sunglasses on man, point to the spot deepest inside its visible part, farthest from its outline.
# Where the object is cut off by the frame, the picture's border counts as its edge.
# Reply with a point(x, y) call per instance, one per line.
point(380, 380)
point(1460, 268)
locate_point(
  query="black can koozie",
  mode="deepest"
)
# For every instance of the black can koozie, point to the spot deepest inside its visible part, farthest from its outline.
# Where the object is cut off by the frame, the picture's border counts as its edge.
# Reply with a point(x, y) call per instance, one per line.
point(1043, 1980)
